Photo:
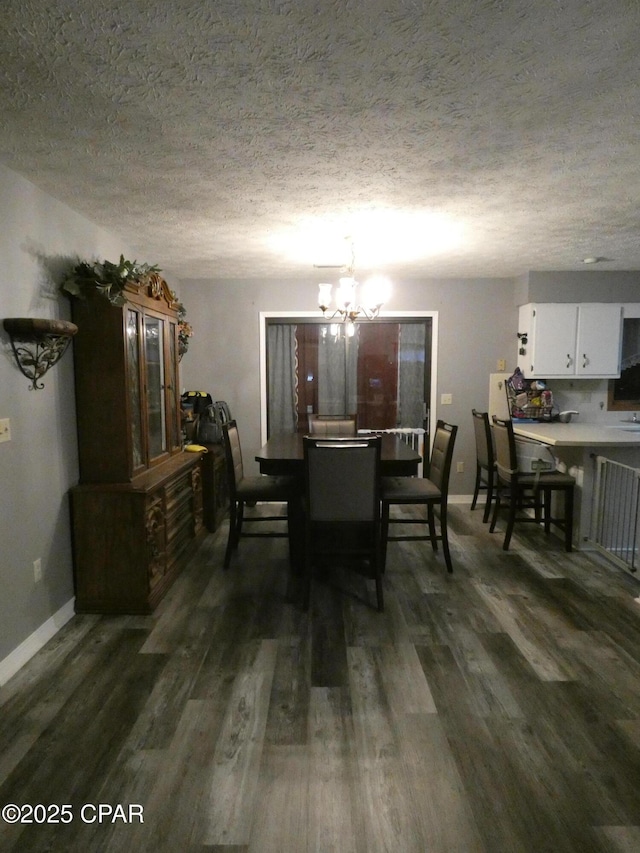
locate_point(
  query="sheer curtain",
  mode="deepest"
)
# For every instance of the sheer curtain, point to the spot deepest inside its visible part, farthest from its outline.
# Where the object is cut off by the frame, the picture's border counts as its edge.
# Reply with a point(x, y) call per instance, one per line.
point(411, 356)
point(337, 372)
point(282, 392)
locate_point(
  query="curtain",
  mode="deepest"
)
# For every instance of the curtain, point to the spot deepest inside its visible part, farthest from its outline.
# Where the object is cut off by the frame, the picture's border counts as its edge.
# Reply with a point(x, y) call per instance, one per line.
point(282, 392)
point(337, 371)
point(411, 356)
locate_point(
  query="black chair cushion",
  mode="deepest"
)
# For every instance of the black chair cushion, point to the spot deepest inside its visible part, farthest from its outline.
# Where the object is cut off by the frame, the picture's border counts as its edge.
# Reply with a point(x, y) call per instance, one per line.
point(398, 489)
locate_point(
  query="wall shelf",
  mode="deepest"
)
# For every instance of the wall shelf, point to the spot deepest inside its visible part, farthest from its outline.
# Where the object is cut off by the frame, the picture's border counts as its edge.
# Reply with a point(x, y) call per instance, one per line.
point(38, 344)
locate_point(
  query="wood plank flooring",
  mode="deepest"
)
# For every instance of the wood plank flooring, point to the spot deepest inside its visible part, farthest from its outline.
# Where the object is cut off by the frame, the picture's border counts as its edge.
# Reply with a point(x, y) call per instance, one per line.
point(495, 709)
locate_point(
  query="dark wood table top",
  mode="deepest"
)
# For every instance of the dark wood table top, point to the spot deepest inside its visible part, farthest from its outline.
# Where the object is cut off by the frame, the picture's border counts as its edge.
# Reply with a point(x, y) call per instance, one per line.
point(284, 454)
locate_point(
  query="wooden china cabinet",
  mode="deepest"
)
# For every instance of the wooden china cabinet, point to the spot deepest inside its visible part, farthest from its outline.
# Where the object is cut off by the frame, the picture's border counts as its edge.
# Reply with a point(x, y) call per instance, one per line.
point(137, 509)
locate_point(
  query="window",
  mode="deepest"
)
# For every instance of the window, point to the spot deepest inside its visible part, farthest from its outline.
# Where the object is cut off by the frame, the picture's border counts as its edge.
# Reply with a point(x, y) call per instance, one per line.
point(624, 393)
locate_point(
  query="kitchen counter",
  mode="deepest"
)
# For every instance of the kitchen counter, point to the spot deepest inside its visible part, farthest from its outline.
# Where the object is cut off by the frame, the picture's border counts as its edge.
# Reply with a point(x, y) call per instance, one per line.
point(581, 435)
point(575, 447)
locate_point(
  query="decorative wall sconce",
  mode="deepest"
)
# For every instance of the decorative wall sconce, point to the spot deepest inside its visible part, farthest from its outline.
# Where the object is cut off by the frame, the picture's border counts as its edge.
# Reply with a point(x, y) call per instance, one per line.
point(38, 344)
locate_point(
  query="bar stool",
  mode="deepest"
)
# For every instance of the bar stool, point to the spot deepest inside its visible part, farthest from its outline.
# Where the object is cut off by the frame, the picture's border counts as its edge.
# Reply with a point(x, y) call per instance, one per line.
point(522, 490)
point(485, 461)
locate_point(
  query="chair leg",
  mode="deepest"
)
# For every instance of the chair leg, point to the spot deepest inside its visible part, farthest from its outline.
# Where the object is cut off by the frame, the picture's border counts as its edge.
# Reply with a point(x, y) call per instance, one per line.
point(384, 534)
point(231, 538)
point(377, 565)
point(489, 500)
point(444, 533)
point(239, 520)
point(307, 570)
point(477, 486)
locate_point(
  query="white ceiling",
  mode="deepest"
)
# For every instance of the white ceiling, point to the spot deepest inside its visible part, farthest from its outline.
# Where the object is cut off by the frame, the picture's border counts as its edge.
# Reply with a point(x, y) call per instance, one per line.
point(209, 133)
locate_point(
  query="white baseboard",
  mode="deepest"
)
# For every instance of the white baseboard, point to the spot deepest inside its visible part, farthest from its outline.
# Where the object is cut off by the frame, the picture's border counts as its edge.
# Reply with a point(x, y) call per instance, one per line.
point(460, 499)
point(40, 637)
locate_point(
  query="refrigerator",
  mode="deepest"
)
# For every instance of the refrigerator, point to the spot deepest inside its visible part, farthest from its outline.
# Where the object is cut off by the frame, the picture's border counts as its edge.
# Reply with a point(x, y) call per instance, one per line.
point(498, 403)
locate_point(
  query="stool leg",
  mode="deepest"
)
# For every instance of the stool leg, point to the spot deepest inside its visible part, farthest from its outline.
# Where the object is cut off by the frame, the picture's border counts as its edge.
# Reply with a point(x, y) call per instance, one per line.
point(496, 508)
point(432, 527)
point(568, 518)
point(514, 497)
point(487, 506)
point(547, 510)
point(444, 533)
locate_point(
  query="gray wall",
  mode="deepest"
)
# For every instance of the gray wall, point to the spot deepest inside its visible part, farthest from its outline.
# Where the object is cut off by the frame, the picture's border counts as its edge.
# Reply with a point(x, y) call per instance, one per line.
point(477, 326)
point(592, 285)
point(38, 238)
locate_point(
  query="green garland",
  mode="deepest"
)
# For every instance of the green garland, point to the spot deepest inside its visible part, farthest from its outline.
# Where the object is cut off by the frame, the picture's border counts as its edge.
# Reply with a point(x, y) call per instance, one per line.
point(109, 280)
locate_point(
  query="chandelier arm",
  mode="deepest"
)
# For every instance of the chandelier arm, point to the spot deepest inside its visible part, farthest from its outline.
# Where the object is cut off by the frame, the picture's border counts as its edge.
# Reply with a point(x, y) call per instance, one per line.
point(338, 311)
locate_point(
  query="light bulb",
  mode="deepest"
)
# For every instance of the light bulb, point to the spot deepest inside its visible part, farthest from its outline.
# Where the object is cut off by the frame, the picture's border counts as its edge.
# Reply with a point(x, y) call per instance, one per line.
point(345, 297)
point(376, 291)
point(324, 296)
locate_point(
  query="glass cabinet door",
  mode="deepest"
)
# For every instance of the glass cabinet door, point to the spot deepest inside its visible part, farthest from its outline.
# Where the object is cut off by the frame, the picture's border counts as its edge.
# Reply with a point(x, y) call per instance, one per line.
point(154, 346)
point(173, 418)
point(133, 321)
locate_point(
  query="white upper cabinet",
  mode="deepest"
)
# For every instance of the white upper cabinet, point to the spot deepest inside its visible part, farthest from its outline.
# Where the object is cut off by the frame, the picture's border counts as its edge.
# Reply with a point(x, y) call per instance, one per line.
point(562, 339)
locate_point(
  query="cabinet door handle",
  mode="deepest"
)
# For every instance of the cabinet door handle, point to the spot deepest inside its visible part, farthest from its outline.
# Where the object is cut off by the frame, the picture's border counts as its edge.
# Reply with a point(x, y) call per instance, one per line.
point(569, 360)
point(585, 359)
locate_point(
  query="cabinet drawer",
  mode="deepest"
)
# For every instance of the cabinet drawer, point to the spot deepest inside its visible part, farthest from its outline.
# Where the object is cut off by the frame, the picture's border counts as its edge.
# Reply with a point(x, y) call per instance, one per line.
point(177, 491)
point(182, 538)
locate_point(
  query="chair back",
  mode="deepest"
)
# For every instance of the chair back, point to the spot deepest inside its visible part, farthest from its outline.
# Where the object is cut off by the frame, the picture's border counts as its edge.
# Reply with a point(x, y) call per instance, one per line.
point(442, 456)
point(233, 455)
point(505, 447)
point(342, 478)
point(484, 442)
point(332, 426)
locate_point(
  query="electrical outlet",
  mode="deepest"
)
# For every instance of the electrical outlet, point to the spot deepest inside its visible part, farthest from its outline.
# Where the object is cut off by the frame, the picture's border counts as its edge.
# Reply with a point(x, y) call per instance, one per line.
point(501, 365)
point(446, 399)
point(5, 429)
point(460, 468)
point(37, 570)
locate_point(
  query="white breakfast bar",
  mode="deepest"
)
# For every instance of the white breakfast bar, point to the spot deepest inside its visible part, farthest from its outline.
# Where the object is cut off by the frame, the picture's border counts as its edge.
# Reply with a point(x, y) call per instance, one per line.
point(575, 447)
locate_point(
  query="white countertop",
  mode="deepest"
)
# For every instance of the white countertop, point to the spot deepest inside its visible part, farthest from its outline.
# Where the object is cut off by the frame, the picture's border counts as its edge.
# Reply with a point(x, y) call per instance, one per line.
point(581, 435)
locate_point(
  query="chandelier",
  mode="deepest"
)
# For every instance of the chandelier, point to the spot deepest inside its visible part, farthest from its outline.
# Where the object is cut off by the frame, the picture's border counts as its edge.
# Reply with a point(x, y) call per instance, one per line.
point(375, 291)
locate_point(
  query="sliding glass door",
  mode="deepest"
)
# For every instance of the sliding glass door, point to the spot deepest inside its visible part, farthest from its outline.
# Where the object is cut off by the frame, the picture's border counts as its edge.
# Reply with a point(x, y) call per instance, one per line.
point(382, 372)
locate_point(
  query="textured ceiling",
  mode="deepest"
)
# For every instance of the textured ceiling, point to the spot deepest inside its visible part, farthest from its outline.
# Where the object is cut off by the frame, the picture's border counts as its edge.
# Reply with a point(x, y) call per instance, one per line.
point(208, 134)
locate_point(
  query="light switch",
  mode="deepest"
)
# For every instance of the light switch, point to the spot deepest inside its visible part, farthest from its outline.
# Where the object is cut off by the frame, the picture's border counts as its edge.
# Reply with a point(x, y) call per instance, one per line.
point(5, 429)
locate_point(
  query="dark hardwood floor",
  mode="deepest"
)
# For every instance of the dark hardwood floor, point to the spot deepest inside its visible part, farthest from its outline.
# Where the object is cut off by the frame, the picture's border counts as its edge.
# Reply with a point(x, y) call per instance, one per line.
point(495, 709)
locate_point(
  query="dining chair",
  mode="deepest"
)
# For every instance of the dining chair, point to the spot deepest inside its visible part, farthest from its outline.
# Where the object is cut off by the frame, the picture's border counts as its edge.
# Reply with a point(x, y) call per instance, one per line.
point(431, 491)
point(521, 490)
point(332, 425)
point(342, 503)
point(246, 490)
point(485, 461)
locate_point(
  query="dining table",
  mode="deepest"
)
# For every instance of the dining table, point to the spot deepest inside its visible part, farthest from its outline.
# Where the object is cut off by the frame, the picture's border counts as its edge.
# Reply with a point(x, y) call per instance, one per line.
point(284, 454)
